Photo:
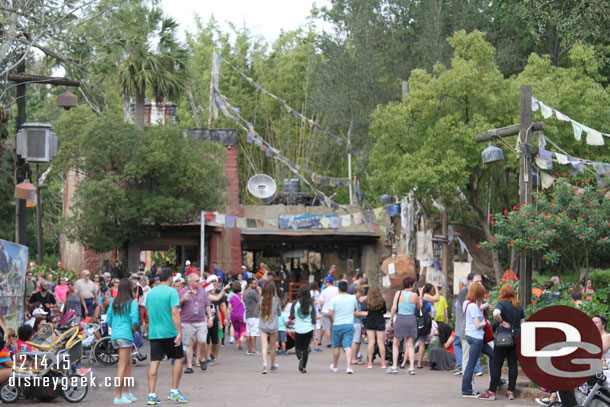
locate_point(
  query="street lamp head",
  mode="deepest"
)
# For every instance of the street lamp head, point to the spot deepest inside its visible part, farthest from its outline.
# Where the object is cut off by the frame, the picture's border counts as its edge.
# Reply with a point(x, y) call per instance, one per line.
point(36, 142)
point(67, 100)
point(492, 154)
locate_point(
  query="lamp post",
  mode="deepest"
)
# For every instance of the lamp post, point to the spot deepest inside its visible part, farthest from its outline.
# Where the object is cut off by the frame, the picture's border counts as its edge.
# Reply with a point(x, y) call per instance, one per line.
point(524, 129)
point(35, 143)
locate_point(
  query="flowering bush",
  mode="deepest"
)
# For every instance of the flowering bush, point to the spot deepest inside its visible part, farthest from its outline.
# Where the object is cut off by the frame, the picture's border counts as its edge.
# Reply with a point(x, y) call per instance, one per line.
point(566, 224)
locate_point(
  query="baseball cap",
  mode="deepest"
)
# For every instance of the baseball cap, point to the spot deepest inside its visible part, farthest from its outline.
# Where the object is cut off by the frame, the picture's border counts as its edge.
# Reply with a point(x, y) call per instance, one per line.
point(329, 279)
point(86, 272)
point(134, 275)
point(39, 311)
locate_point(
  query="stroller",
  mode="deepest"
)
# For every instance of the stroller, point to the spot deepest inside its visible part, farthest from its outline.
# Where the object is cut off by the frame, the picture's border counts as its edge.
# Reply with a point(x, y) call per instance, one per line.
point(49, 371)
point(388, 341)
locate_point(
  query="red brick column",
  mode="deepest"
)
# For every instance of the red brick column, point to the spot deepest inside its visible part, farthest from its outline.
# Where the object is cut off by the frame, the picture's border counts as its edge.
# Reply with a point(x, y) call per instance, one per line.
point(234, 208)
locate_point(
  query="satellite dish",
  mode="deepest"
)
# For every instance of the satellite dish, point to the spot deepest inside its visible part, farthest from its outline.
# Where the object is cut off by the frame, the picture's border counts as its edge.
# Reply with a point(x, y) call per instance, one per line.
point(262, 186)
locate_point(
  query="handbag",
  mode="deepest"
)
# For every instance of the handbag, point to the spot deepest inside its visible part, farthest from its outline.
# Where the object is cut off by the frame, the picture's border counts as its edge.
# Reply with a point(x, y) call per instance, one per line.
point(488, 336)
point(504, 338)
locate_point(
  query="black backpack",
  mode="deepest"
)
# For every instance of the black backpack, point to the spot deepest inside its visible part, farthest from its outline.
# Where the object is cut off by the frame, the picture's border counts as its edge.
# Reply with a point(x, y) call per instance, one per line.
point(424, 321)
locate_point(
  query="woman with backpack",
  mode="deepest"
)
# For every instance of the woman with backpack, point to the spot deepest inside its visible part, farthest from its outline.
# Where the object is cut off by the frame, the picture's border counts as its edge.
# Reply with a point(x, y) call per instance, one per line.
point(404, 305)
point(303, 313)
point(510, 316)
point(236, 313)
point(122, 317)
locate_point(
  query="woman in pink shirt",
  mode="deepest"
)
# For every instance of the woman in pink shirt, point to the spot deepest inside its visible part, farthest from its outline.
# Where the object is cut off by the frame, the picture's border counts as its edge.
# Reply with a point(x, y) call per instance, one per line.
point(61, 290)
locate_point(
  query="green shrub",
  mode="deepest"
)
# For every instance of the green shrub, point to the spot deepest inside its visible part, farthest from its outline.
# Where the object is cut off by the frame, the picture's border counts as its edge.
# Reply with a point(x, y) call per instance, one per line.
point(599, 278)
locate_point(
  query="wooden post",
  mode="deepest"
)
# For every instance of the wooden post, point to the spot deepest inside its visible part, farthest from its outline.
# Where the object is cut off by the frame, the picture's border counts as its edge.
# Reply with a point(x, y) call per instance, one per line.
point(525, 186)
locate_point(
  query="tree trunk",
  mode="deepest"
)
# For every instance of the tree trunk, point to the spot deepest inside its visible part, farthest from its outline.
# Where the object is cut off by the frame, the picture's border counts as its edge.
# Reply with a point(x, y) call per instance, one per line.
point(140, 107)
point(514, 261)
point(126, 108)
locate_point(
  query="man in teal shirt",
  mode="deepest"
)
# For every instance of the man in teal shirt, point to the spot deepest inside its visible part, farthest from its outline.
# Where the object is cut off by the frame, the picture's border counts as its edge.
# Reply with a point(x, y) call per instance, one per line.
point(165, 334)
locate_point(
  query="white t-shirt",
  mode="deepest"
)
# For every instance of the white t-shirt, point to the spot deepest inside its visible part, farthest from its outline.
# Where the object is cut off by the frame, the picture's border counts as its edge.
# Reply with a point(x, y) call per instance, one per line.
point(327, 294)
point(315, 295)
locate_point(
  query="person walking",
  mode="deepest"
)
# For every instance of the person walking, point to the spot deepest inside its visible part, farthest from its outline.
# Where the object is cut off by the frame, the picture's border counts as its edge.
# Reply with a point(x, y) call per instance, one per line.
point(404, 305)
point(341, 311)
point(251, 300)
point(236, 313)
point(195, 306)
point(303, 313)
point(510, 316)
point(268, 323)
point(375, 325)
point(122, 317)
point(475, 332)
point(165, 334)
point(460, 343)
point(75, 302)
point(88, 290)
point(325, 298)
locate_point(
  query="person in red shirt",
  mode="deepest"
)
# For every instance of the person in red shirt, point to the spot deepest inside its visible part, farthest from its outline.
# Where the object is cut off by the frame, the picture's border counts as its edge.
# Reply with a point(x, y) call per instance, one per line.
point(443, 357)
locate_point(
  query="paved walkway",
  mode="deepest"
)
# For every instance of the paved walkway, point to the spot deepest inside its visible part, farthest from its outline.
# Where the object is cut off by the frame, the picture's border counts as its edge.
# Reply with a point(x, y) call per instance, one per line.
point(237, 381)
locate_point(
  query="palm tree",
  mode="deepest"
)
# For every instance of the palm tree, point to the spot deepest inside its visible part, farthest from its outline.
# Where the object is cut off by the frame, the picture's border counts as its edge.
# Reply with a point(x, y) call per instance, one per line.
point(150, 57)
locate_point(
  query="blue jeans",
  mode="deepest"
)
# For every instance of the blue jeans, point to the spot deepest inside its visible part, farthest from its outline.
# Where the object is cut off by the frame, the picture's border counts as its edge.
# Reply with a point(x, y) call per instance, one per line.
point(457, 346)
point(477, 346)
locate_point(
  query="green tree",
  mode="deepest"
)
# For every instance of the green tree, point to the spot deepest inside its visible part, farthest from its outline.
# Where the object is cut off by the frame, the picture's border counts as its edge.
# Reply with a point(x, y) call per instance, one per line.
point(143, 65)
point(564, 226)
point(135, 180)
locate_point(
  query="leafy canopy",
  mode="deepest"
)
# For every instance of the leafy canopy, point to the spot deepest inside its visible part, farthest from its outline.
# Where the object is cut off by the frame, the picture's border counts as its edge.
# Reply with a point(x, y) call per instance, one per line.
point(135, 180)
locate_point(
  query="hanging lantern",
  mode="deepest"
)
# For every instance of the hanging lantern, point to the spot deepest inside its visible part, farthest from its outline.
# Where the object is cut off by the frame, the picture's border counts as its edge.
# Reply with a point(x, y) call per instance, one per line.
point(25, 190)
point(492, 154)
point(67, 100)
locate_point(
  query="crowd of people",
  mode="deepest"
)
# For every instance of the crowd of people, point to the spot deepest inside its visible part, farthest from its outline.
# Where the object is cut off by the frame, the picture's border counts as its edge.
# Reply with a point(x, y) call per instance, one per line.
point(187, 319)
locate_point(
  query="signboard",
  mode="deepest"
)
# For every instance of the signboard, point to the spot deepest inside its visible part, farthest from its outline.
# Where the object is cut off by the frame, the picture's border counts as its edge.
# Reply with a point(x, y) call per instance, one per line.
point(460, 269)
point(435, 277)
point(294, 254)
point(13, 265)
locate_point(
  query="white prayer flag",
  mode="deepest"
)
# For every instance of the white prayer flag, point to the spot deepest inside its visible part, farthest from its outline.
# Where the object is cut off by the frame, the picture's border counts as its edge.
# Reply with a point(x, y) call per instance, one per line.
point(562, 158)
point(577, 130)
point(546, 111)
point(594, 138)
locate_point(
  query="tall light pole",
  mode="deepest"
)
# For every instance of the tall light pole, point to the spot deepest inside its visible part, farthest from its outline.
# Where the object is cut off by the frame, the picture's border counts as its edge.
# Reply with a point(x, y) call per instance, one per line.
point(524, 129)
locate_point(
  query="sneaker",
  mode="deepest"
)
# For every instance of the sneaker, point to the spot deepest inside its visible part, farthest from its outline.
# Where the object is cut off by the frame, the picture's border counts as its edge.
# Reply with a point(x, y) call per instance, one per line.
point(188, 370)
point(129, 396)
point(383, 365)
point(369, 365)
point(303, 370)
point(412, 371)
point(211, 362)
point(82, 372)
point(503, 382)
point(177, 396)
point(231, 340)
point(141, 356)
point(328, 346)
point(274, 367)
point(122, 400)
point(488, 395)
point(284, 352)
point(473, 394)
point(249, 353)
point(544, 401)
point(392, 370)
point(333, 368)
point(203, 366)
point(264, 369)
point(153, 401)
point(317, 350)
point(477, 374)
point(255, 353)
point(510, 395)
point(458, 372)
point(349, 370)
point(277, 352)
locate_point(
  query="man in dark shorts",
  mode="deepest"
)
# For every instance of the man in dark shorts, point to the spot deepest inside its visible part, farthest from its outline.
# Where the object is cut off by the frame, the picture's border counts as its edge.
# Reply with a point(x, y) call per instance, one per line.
point(165, 334)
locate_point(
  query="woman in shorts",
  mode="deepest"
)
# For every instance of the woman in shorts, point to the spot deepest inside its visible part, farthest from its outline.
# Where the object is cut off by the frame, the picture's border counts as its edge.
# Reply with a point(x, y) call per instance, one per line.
point(269, 323)
point(122, 317)
point(375, 325)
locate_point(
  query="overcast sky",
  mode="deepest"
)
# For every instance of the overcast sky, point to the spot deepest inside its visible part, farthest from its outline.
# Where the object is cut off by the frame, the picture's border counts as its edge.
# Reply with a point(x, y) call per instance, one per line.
point(263, 17)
